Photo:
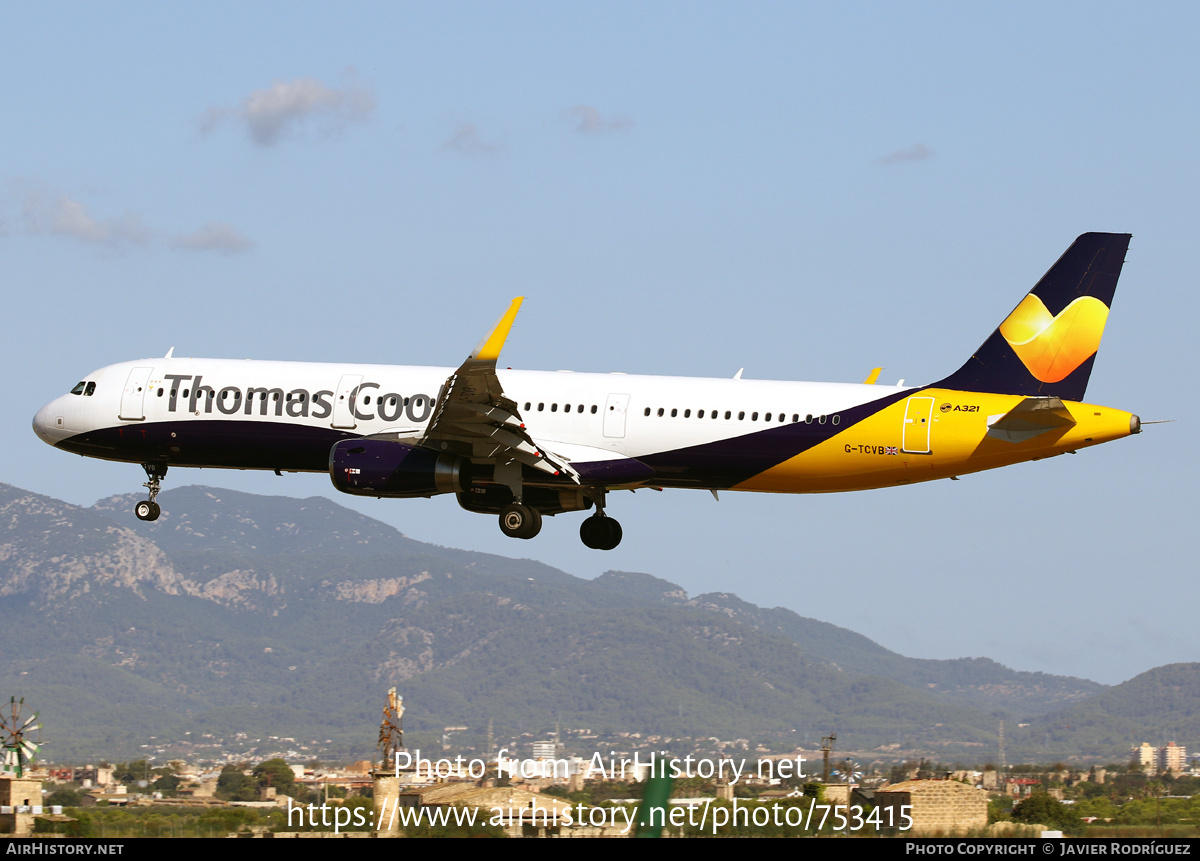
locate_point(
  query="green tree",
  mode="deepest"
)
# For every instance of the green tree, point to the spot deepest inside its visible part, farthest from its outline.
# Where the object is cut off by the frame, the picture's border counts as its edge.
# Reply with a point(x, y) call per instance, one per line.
point(1041, 808)
point(64, 796)
point(276, 773)
point(234, 785)
point(1000, 809)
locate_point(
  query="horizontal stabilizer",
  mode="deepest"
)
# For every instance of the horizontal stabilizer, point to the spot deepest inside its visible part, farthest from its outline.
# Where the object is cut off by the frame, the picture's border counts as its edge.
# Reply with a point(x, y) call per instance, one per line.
point(1029, 418)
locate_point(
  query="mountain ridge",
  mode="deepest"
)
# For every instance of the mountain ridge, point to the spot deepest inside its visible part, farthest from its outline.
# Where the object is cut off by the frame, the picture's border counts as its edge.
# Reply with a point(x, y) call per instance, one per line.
point(241, 605)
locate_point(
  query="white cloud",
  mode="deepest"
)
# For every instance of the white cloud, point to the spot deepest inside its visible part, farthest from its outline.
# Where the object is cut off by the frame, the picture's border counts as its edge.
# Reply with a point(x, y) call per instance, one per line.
point(288, 108)
point(589, 122)
point(54, 213)
point(214, 236)
point(46, 211)
point(466, 139)
point(916, 152)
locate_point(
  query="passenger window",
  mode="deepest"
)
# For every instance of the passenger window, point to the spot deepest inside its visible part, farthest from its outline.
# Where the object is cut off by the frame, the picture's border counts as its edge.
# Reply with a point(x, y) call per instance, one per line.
point(647, 412)
point(593, 409)
point(687, 414)
point(674, 413)
point(741, 416)
point(821, 420)
point(554, 408)
point(160, 392)
point(837, 419)
point(795, 417)
point(727, 414)
point(767, 417)
point(808, 419)
point(541, 407)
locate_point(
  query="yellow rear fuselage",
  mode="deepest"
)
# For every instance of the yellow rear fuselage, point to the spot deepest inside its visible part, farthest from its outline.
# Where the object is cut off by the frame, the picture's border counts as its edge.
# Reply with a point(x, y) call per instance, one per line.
point(935, 433)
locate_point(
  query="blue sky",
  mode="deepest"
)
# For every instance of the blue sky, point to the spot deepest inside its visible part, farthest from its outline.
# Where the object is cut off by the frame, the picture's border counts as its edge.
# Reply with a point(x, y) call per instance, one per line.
point(803, 190)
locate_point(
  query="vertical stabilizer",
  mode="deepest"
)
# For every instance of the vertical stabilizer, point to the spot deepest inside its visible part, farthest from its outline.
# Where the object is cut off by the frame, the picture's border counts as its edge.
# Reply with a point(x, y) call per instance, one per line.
point(1047, 345)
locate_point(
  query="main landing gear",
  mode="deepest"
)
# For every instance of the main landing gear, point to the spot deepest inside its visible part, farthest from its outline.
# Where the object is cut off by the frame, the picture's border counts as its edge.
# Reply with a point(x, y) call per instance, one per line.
point(599, 532)
point(520, 521)
point(148, 509)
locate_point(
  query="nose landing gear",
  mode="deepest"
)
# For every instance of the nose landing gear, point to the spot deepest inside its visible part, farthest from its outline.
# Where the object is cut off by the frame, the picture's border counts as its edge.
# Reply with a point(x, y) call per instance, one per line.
point(148, 509)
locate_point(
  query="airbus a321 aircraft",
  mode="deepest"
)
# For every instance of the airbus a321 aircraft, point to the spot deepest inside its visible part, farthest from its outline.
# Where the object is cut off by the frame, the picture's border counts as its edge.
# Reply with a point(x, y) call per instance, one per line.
point(527, 444)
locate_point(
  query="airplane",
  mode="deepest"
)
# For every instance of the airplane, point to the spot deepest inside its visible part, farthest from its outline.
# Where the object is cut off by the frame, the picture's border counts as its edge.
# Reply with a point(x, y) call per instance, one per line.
point(527, 444)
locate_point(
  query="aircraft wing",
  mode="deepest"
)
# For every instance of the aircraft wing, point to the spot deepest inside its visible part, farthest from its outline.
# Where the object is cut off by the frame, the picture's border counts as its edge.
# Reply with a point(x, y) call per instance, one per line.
point(475, 419)
point(598, 465)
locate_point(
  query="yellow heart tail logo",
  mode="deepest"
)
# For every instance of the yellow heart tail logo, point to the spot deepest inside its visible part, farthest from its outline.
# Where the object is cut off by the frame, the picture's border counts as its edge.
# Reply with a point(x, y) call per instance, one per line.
point(1053, 347)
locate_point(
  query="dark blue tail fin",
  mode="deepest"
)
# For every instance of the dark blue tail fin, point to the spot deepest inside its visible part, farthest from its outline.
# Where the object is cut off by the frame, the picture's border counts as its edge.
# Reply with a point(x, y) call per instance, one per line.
point(1047, 345)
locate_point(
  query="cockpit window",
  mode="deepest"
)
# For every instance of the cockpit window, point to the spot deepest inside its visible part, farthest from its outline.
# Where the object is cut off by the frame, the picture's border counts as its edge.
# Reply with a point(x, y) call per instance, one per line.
point(90, 390)
point(78, 390)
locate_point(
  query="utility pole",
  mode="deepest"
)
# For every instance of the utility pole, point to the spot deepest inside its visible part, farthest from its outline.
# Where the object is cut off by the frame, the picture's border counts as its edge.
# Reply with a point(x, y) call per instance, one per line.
point(826, 747)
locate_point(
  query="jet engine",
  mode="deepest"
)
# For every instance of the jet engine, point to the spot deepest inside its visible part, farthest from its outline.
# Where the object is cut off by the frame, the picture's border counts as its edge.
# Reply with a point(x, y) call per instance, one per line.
point(375, 467)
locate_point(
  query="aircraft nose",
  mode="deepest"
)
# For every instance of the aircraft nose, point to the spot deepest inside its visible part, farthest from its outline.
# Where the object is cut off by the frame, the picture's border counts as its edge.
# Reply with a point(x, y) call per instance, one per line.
point(48, 424)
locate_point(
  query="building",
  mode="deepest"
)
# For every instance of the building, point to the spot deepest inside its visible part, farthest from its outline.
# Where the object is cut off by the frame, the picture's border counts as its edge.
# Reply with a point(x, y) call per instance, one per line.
point(935, 806)
point(20, 802)
point(1172, 757)
point(1143, 756)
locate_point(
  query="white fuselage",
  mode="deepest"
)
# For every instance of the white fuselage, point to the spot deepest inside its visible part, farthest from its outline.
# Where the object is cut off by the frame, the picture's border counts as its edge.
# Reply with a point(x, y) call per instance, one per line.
point(626, 415)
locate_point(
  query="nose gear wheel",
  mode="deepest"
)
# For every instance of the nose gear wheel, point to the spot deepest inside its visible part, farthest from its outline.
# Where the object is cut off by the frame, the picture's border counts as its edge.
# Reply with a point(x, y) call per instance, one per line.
point(148, 509)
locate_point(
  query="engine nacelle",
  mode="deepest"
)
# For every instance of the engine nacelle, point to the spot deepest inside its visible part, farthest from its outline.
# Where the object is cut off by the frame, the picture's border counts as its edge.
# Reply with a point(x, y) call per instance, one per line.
point(374, 467)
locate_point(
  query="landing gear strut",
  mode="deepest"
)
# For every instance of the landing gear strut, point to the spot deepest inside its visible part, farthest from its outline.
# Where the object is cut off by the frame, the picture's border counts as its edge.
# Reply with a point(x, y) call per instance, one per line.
point(520, 521)
point(148, 509)
point(600, 532)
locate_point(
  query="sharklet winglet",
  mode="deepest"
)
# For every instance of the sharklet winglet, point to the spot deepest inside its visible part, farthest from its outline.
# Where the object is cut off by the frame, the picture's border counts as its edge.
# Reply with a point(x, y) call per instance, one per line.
point(489, 348)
